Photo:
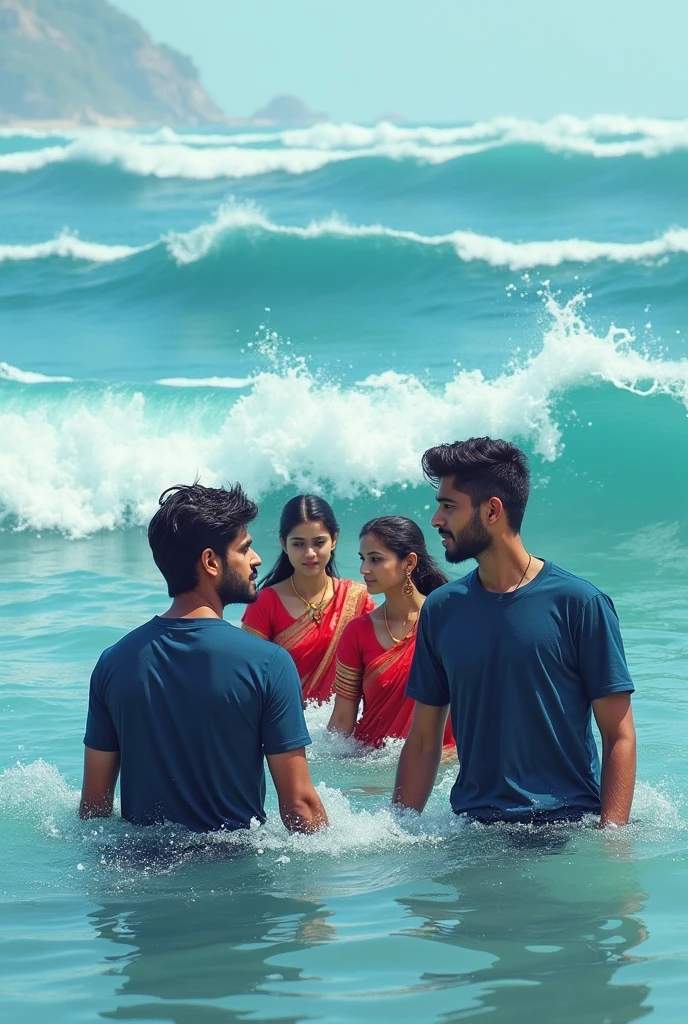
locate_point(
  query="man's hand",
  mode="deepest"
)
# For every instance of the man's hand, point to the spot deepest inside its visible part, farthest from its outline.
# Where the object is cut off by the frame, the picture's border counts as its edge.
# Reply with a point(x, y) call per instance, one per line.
point(101, 768)
point(614, 719)
point(300, 806)
point(420, 757)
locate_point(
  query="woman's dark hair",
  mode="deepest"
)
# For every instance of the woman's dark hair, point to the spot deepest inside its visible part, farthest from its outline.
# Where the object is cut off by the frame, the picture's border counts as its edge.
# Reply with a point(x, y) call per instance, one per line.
point(304, 508)
point(483, 468)
point(402, 536)
point(190, 519)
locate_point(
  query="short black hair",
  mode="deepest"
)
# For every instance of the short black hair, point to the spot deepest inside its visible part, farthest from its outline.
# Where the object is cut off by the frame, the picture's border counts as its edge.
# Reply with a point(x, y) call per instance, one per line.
point(483, 468)
point(190, 519)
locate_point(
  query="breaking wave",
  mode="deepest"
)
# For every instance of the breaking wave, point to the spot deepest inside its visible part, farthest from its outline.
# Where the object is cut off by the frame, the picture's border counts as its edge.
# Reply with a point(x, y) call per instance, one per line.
point(81, 460)
point(468, 246)
point(238, 154)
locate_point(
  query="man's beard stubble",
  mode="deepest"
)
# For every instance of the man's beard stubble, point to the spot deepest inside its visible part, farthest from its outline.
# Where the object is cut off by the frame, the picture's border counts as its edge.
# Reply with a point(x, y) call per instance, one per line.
point(234, 589)
point(469, 543)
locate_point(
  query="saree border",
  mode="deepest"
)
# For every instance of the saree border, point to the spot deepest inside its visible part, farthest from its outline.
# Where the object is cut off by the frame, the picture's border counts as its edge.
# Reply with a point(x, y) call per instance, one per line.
point(349, 610)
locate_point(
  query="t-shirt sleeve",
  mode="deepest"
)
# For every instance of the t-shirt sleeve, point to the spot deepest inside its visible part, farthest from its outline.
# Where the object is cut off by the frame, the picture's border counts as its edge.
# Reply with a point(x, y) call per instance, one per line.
point(100, 729)
point(348, 680)
point(427, 681)
point(283, 725)
point(257, 618)
point(601, 657)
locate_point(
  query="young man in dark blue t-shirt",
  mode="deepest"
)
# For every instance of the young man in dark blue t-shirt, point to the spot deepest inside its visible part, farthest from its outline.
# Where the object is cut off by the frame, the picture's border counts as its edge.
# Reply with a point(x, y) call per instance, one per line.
point(185, 707)
point(524, 653)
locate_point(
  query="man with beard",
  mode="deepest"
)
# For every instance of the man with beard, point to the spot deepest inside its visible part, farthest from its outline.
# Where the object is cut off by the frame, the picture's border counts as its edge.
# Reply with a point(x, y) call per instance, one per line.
point(524, 653)
point(185, 706)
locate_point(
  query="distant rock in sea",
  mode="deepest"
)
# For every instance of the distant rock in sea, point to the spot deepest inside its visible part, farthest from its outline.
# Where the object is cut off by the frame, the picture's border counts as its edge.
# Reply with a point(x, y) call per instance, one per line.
point(287, 110)
point(85, 62)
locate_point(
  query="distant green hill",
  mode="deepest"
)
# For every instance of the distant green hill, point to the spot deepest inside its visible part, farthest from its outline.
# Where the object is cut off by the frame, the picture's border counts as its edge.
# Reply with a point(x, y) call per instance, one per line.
point(87, 62)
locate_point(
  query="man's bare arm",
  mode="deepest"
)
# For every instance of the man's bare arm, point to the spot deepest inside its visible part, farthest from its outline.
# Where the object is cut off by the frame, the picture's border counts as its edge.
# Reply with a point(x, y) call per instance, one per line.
point(101, 768)
point(300, 806)
point(420, 757)
point(614, 718)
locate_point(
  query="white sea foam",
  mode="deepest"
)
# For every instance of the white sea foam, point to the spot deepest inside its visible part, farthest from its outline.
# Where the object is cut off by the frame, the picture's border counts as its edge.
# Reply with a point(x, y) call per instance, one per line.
point(97, 462)
point(68, 246)
point(206, 382)
point(37, 799)
point(19, 376)
point(191, 246)
point(168, 154)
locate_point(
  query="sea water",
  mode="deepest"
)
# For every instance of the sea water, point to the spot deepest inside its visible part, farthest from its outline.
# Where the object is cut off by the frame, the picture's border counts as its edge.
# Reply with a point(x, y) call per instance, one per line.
point(311, 309)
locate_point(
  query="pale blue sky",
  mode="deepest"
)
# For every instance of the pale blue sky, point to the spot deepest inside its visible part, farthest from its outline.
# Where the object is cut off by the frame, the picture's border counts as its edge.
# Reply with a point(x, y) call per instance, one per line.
point(434, 60)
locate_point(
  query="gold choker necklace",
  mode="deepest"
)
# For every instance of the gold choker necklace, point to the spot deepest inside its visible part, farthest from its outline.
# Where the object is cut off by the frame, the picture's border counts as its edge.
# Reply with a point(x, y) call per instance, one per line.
point(315, 608)
point(394, 639)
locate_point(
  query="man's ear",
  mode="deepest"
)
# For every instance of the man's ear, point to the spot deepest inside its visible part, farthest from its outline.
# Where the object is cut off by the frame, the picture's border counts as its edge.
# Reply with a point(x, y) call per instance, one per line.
point(494, 511)
point(210, 563)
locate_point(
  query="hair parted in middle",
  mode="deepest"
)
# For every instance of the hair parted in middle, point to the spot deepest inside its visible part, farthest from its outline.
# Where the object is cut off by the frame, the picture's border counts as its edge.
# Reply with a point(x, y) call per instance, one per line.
point(303, 508)
point(402, 536)
point(483, 468)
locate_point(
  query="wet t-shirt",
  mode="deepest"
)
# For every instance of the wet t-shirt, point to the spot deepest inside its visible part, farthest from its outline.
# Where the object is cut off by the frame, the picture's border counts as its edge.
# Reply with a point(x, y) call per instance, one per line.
point(520, 671)
point(192, 705)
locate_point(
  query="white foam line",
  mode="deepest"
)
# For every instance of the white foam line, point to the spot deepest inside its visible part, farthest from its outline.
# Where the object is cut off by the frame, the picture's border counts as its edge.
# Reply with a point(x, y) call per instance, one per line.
point(69, 246)
point(14, 373)
point(191, 246)
point(168, 154)
point(206, 382)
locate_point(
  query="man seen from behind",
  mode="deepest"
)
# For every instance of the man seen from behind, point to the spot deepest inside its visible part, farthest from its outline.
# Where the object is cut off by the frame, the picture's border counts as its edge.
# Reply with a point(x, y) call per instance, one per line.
point(184, 707)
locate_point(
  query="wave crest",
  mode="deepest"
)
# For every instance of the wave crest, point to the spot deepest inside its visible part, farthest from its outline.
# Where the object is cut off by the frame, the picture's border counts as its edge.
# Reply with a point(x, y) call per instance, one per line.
point(468, 246)
point(169, 154)
point(86, 462)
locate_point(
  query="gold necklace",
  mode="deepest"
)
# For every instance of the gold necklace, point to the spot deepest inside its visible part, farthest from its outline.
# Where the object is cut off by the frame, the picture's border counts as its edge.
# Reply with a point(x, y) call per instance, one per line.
point(394, 639)
point(315, 608)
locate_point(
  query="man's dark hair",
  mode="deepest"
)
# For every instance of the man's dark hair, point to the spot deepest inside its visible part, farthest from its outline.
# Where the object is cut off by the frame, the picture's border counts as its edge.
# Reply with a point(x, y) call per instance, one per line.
point(483, 468)
point(190, 519)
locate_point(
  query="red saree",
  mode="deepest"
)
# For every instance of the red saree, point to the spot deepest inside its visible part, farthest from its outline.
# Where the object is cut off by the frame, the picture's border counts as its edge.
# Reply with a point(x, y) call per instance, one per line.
point(365, 670)
point(313, 646)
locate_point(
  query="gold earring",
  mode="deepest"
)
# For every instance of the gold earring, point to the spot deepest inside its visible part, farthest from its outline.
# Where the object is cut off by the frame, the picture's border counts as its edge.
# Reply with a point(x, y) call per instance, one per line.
point(407, 589)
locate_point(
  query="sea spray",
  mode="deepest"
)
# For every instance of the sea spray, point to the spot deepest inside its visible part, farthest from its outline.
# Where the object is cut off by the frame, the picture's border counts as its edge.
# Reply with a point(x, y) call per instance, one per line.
point(81, 460)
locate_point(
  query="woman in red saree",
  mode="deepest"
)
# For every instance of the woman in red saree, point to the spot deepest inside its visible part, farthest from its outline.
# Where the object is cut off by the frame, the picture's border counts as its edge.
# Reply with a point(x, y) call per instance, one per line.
point(376, 650)
point(302, 604)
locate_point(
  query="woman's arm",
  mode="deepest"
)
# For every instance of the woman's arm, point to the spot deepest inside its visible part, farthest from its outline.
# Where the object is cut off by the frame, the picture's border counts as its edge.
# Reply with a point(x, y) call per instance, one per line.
point(344, 715)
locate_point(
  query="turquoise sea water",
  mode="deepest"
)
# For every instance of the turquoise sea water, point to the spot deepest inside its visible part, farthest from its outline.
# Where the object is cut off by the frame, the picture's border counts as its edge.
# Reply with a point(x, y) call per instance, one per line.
point(313, 309)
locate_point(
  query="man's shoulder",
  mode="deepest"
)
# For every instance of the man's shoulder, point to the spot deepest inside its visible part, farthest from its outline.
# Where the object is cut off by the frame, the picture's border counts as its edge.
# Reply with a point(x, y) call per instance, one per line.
point(571, 586)
point(131, 641)
point(455, 590)
point(207, 634)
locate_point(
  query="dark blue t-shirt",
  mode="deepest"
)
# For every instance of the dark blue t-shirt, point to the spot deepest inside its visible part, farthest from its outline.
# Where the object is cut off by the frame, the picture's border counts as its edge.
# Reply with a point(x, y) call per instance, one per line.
point(193, 705)
point(520, 671)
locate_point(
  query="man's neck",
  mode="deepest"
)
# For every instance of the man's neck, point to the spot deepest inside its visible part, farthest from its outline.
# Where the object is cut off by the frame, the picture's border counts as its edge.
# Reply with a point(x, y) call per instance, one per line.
point(506, 565)
point(194, 605)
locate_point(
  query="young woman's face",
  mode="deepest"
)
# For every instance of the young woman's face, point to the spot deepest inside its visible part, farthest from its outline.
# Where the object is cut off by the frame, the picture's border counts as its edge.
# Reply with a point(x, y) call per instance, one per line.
point(381, 568)
point(309, 548)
